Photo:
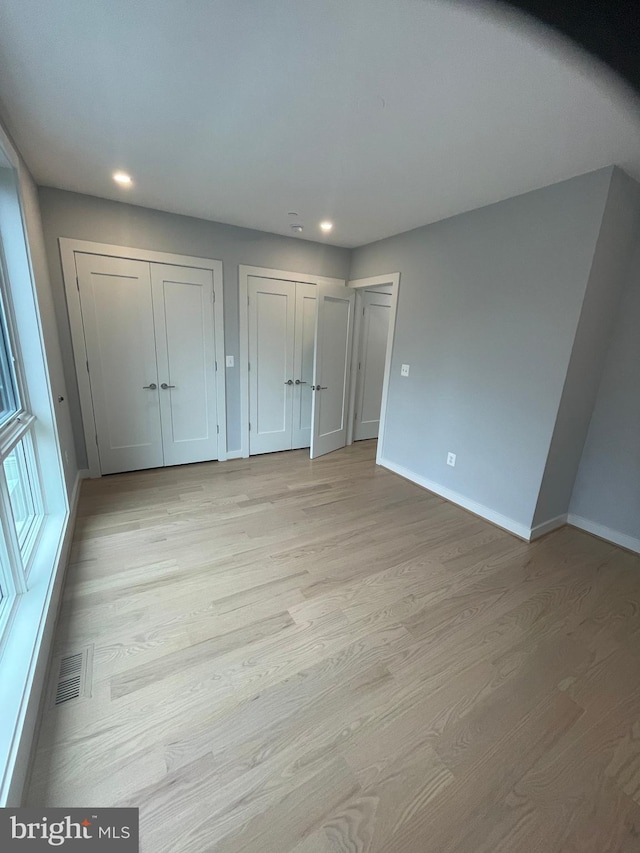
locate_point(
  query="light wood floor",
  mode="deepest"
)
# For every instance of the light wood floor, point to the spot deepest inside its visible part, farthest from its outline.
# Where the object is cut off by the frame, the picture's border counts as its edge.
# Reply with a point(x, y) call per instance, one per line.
point(320, 657)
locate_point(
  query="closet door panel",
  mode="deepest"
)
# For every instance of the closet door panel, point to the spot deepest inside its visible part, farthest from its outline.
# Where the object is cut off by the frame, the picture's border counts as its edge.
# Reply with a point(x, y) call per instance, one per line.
point(183, 303)
point(117, 313)
point(271, 364)
point(305, 332)
point(334, 330)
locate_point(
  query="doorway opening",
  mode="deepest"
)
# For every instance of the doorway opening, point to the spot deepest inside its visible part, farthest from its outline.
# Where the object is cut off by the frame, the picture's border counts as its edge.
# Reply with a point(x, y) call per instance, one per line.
point(376, 305)
point(314, 356)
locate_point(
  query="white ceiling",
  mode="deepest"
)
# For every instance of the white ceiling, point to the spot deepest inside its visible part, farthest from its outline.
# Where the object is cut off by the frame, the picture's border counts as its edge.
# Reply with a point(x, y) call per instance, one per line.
point(381, 115)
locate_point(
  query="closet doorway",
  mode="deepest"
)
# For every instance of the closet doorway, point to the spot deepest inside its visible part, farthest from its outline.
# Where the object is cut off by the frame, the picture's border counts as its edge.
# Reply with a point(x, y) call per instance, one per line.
point(282, 321)
point(148, 342)
point(376, 307)
point(370, 352)
point(296, 335)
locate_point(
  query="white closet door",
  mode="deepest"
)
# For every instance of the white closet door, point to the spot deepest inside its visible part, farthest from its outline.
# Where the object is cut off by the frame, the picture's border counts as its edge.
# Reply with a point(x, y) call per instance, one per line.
point(115, 295)
point(373, 350)
point(305, 333)
point(334, 330)
point(272, 309)
point(183, 306)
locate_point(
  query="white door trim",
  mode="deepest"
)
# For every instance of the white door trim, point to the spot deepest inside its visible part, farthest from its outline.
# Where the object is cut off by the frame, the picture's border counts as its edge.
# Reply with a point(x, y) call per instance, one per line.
point(392, 279)
point(68, 248)
point(244, 271)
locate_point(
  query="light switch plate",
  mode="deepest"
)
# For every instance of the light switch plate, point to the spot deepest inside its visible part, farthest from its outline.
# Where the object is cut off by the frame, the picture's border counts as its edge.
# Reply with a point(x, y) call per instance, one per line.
point(404, 370)
point(229, 361)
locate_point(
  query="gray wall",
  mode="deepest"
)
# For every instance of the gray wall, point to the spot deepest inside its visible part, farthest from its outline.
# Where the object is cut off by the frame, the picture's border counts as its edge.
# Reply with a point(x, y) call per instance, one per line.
point(66, 214)
point(610, 265)
point(607, 488)
point(488, 309)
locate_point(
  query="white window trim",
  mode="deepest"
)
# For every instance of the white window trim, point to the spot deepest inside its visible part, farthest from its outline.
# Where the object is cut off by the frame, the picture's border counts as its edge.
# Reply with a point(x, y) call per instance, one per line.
point(244, 272)
point(68, 249)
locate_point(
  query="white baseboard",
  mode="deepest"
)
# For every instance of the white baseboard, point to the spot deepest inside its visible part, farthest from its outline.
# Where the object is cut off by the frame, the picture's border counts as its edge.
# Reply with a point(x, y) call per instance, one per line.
point(234, 454)
point(83, 474)
point(503, 521)
point(603, 532)
point(547, 526)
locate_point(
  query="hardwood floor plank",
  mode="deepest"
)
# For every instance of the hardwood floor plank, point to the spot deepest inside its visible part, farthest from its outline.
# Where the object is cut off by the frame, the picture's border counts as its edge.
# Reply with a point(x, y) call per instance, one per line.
point(319, 657)
point(471, 811)
point(196, 652)
point(369, 820)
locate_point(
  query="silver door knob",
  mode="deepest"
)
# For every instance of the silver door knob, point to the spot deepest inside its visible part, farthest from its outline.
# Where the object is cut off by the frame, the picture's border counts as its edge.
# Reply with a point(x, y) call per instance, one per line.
point(164, 386)
point(151, 387)
point(289, 382)
point(300, 382)
point(321, 387)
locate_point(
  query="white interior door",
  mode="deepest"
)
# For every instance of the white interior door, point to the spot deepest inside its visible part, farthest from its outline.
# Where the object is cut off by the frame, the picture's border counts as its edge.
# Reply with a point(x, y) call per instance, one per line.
point(373, 349)
point(272, 311)
point(117, 313)
point(332, 363)
point(183, 307)
point(305, 332)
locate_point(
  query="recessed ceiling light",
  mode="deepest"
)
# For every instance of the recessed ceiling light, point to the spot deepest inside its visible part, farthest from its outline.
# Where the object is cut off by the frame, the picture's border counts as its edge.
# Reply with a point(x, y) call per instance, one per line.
point(122, 178)
point(297, 228)
point(326, 226)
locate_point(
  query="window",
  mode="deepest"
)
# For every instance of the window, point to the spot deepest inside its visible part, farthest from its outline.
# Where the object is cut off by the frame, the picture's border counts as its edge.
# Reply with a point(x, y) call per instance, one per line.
point(24, 494)
point(3, 585)
point(21, 505)
point(8, 392)
point(34, 501)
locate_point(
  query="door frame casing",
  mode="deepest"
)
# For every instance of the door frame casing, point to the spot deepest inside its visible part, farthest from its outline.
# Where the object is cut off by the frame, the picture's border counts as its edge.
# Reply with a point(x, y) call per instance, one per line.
point(392, 279)
point(244, 271)
point(68, 248)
